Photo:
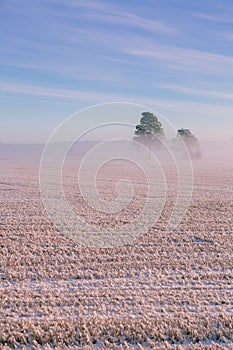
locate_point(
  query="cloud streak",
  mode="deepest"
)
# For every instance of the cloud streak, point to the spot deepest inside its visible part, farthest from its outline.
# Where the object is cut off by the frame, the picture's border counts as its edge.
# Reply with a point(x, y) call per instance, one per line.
point(217, 18)
point(134, 21)
point(103, 12)
point(68, 94)
point(198, 92)
point(183, 59)
point(76, 40)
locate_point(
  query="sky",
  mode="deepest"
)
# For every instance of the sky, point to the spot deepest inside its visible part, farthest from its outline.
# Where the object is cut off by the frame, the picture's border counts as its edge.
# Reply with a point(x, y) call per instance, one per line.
point(60, 56)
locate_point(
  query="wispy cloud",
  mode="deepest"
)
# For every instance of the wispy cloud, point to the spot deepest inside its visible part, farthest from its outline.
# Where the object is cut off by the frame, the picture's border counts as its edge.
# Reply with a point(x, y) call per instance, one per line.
point(103, 11)
point(198, 92)
point(36, 90)
point(100, 12)
point(183, 59)
point(134, 21)
point(218, 17)
point(28, 89)
point(72, 46)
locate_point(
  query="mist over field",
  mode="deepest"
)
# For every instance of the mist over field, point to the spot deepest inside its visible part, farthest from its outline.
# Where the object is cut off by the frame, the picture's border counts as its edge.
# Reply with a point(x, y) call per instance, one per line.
point(218, 152)
point(213, 152)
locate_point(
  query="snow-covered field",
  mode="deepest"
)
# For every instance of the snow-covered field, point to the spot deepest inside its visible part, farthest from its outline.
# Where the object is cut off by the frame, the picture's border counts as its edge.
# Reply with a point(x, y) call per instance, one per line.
point(162, 291)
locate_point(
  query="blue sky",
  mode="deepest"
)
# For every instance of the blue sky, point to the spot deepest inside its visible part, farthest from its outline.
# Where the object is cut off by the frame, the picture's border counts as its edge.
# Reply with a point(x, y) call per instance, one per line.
point(58, 57)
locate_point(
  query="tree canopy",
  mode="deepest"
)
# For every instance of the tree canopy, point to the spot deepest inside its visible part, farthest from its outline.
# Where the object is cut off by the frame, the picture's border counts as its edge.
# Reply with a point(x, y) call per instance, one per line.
point(149, 126)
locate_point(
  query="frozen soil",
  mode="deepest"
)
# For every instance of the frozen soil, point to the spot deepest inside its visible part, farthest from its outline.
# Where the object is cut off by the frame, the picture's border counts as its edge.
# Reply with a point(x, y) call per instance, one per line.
point(164, 291)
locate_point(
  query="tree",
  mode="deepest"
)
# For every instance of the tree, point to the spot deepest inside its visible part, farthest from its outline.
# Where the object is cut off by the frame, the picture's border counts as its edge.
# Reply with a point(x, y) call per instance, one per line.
point(191, 142)
point(149, 130)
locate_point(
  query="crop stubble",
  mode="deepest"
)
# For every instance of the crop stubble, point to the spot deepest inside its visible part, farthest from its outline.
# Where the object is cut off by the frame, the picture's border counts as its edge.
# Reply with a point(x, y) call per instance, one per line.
point(163, 291)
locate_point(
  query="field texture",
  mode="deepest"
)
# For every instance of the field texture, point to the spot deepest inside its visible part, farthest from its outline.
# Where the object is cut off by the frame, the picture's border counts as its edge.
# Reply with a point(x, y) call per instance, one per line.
point(164, 291)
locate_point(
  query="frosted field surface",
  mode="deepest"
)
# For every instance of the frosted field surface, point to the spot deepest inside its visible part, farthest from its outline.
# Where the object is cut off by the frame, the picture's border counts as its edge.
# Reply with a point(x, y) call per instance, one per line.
point(163, 291)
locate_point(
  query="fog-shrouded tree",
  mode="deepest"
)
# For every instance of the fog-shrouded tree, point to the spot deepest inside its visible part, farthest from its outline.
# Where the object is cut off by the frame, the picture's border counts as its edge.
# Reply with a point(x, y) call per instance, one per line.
point(191, 142)
point(149, 131)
